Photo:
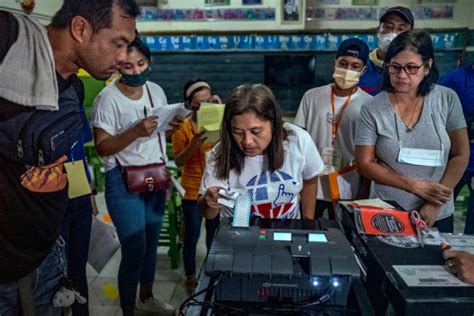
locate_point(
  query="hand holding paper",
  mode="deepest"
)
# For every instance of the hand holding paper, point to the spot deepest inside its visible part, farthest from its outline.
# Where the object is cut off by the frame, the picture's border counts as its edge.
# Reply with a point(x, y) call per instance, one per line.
point(209, 118)
point(167, 113)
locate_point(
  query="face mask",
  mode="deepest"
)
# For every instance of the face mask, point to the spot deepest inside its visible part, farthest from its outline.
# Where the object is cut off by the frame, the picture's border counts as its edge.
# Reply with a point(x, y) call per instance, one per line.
point(385, 40)
point(345, 78)
point(136, 80)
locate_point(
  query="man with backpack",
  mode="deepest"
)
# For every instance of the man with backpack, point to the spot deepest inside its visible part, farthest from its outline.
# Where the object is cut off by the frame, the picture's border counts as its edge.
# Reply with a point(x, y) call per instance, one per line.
point(40, 121)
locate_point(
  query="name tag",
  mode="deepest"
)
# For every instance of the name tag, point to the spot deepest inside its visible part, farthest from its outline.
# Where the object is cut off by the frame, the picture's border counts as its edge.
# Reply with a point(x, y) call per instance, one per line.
point(421, 157)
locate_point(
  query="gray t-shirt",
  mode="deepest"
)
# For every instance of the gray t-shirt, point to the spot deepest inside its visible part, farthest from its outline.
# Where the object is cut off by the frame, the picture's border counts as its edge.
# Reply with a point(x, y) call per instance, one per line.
point(379, 126)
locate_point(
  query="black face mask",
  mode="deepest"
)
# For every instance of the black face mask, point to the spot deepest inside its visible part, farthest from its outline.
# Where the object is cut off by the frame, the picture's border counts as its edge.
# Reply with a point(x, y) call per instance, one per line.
point(137, 80)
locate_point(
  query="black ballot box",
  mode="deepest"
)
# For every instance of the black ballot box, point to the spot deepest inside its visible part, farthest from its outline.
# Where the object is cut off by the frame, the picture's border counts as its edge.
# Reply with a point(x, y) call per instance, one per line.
point(388, 292)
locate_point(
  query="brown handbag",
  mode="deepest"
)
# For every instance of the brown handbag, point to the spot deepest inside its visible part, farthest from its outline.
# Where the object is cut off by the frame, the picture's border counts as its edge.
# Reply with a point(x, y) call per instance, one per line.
point(146, 178)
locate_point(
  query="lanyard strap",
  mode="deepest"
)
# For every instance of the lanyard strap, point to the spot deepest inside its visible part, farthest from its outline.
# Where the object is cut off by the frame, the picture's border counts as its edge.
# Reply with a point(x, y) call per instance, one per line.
point(336, 121)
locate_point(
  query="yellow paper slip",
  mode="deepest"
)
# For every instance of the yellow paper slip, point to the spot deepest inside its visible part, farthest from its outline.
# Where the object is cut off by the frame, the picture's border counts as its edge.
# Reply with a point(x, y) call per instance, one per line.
point(76, 175)
point(209, 118)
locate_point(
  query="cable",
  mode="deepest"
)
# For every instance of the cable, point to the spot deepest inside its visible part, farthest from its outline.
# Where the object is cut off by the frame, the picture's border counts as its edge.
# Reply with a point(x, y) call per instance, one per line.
point(192, 298)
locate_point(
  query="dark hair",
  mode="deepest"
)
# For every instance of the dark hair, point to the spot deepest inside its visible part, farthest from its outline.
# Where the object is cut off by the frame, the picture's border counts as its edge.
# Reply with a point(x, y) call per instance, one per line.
point(249, 98)
point(97, 12)
point(189, 84)
point(420, 43)
point(139, 45)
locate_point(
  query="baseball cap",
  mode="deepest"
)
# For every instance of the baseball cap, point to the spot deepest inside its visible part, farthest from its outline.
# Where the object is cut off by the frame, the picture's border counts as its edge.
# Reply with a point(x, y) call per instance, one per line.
point(403, 12)
point(354, 47)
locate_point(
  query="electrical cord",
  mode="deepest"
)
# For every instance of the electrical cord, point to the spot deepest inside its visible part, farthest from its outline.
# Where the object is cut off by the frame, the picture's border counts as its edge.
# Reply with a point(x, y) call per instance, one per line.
point(191, 301)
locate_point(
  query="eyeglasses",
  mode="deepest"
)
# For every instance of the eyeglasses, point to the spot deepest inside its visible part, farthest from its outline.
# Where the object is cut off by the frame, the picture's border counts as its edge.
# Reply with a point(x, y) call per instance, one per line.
point(409, 69)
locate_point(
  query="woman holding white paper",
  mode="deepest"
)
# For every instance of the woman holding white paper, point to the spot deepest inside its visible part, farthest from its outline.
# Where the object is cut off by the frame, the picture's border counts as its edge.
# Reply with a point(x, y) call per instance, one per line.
point(124, 132)
point(276, 163)
point(190, 154)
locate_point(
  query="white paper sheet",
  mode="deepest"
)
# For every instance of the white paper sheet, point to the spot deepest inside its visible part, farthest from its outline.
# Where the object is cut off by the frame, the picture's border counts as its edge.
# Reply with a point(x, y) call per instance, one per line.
point(428, 276)
point(166, 114)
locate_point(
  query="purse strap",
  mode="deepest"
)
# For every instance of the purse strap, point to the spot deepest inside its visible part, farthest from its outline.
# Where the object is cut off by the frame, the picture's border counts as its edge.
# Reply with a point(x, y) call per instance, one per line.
point(159, 136)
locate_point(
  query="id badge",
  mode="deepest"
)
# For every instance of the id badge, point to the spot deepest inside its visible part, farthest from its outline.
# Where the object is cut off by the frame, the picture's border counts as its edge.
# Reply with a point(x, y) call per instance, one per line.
point(421, 157)
point(332, 159)
point(78, 183)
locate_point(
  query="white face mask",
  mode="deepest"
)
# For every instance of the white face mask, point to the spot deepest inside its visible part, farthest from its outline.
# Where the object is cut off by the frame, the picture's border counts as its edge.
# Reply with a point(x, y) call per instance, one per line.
point(346, 78)
point(385, 40)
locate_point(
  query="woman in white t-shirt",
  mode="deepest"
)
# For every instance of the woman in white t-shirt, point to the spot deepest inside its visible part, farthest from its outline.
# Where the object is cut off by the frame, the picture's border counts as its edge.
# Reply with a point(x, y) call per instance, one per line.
point(125, 135)
point(276, 163)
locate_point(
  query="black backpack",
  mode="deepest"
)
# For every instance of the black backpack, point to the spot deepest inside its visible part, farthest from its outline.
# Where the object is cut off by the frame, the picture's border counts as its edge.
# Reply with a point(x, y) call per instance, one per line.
point(39, 137)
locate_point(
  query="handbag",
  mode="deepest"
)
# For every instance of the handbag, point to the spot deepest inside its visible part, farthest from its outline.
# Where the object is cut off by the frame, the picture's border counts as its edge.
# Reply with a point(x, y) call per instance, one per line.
point(146, 178)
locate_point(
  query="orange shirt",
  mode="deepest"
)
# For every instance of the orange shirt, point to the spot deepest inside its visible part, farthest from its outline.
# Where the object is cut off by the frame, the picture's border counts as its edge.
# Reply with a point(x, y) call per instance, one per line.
point(193, 168)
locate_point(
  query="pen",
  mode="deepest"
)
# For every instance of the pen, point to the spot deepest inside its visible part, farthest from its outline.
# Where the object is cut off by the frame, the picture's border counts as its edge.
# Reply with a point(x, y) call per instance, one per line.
point(144, 110)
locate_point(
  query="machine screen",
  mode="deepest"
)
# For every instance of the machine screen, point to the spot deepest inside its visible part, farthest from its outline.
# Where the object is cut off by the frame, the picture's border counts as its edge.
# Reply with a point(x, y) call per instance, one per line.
point(314, 237)
point(281, 236)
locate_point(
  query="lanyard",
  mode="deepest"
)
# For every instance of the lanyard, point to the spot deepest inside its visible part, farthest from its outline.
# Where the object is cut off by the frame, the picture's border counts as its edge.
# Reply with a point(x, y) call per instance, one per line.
point(336, 122)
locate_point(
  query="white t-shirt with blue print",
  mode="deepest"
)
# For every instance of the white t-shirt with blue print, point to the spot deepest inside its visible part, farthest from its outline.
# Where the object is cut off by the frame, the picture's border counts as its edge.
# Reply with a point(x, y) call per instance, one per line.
point(274, 195)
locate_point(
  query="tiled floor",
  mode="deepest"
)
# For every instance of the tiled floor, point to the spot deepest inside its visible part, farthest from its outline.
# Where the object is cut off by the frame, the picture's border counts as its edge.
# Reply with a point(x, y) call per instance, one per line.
point(168, 287)
point(103, 290)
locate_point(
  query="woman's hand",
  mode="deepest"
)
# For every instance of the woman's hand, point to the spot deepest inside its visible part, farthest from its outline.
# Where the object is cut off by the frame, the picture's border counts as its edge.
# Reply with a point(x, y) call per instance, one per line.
point(176, 124)
point(208, 202)
point(429, 212)
point(198, 140)
point(432, 192)
point(215, 99)
point(145, 127)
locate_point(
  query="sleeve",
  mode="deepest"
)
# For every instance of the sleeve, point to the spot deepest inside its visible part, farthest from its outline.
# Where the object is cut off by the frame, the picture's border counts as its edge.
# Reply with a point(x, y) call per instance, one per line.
point(366, 129)
point(179, 140)
point(102, 116)
point(456, 118)
point(313, 163)
point(209, 178)
point(447, 81)
point(9, 23)
point(302, 113)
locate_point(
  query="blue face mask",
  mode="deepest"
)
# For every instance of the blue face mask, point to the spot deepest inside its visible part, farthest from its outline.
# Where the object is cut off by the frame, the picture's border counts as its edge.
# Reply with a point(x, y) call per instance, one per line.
point(137, 80)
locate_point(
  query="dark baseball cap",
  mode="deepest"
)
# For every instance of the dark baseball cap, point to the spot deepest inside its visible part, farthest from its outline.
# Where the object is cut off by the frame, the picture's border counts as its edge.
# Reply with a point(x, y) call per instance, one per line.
point(403, 12)
point(354, 47)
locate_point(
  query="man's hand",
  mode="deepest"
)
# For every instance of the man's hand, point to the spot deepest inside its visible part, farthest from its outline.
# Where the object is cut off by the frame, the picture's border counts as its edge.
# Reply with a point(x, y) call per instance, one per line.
point(460, 263)
point(145, 127)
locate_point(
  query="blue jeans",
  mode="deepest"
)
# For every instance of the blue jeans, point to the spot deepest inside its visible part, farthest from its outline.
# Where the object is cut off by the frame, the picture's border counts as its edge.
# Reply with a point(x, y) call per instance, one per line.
point(137, 218)
point(467, 179)
point(76, 232)
point(211, 227)
point(45, 282)
point(192, 228)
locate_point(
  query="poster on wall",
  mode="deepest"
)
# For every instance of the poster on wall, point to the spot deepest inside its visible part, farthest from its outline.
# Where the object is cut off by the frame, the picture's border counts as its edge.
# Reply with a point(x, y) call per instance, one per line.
point(216, 2)
point(251, 2)
point(291, 11)
point(365, 2)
